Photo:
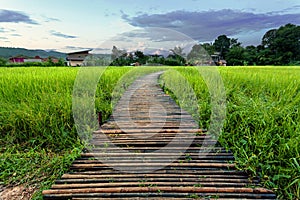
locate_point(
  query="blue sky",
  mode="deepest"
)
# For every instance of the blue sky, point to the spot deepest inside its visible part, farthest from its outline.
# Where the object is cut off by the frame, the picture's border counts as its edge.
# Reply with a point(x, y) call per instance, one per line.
point(70, 25)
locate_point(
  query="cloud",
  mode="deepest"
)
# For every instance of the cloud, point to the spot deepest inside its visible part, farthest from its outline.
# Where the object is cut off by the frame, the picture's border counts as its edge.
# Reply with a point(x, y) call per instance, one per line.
point(6, 30)
point(16, 35)
point(50, 19)
point(3, 38)
point(100, 49)
point(94, 50)
point(207, 25)
point(124, 15)
point(150, 40)
point(286, 10)
point(58, 34)
point(108, 13)
point(71, 48)
point(153, 34)
point(15, 17)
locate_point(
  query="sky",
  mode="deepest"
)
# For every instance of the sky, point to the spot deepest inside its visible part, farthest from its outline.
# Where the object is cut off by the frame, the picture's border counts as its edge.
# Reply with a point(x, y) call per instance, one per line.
point(72, 25)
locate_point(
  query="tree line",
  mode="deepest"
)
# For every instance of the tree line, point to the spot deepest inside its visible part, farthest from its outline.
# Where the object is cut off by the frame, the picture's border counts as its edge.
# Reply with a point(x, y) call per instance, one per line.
point(49, 63)
point(278, 47)
point(123, 58)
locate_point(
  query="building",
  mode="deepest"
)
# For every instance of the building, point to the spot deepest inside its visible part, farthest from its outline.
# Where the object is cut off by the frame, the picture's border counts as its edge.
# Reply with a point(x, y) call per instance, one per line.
point(218, 59)
point(53, 59)
point(77, 58)
point(23, 59)
point(222, 63)
point(17, 59)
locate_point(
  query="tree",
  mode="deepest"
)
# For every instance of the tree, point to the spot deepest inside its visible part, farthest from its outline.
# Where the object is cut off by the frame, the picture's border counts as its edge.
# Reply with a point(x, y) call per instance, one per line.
point(209, 47)
point(265, 56)
point(50, 61)
point(140, 57)
point(222, 45)
point(281, 45)
point(235, 56)
point(234, 42)
point(287, 43)
point(119, 57)
point(3, 61)
point(116, 53)
point(178, 51)
point(269, 37)
point(250, 55)
point(176, 58)
point(199, 54)
point(61, 62)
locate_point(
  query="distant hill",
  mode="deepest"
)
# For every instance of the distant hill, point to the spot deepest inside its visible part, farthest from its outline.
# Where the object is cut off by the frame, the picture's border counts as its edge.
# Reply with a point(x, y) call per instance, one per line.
point(7, 52)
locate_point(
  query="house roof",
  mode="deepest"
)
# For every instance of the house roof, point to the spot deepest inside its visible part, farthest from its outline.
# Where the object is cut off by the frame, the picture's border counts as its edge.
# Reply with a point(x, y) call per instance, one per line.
point(18, 56)
point(75, 59)
point(78, 52)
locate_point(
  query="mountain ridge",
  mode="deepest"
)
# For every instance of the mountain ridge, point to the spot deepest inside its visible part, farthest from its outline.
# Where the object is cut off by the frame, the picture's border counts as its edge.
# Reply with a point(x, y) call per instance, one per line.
point(7, 52)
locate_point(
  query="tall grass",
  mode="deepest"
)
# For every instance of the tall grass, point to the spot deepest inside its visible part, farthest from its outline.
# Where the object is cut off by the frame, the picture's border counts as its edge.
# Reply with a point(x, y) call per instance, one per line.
point(262, 124)
point(36, 104)
point(38, 138)
point(35, 107)
point(38, 141)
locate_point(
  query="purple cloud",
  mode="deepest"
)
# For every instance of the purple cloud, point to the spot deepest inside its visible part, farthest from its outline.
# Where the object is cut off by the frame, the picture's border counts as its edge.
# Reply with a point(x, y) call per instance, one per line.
point(15, 17)
point(207, 25)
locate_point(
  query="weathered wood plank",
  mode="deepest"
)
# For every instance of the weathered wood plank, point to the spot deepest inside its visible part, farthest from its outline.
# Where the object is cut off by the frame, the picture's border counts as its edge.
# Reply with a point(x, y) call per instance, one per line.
point(126, 161)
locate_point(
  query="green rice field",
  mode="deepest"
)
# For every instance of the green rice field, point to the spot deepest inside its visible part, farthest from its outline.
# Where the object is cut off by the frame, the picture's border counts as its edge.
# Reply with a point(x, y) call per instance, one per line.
point(262, 125)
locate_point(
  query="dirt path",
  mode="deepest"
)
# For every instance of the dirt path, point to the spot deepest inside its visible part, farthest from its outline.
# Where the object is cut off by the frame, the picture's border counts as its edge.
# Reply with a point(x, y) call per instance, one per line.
point(16, 193)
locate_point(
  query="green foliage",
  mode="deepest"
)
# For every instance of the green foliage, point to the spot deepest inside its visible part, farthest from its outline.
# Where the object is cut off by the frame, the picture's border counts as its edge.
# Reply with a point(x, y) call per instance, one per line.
point(209, 47)
point(122, 58)
point(222, 44)
point(174, 60)
point(285, 44)
point(39, 141)
point(35, 166)
point(3, 61)
point(38, 136)
point(262, 125)
point(279, 47)
point(250, 56)
point(37, 103)
point(49, 63)
point(235, 56)
point(140, 57)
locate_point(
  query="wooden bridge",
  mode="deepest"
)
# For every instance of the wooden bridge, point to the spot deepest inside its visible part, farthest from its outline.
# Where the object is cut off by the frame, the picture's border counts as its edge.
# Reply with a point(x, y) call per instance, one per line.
point(152, 149)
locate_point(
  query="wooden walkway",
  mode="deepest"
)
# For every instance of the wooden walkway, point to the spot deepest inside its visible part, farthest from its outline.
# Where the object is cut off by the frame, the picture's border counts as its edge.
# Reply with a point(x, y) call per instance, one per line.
point(151, 149)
